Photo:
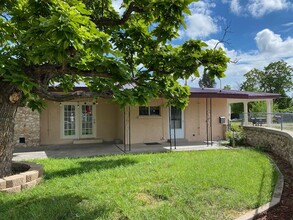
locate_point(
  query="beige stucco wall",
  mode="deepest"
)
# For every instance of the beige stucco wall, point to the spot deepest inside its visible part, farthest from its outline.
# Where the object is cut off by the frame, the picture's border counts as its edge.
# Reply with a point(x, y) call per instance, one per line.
point(195, 119)
point(145, 129)
point(110, 122)
point(107, 122)
point(156, 128)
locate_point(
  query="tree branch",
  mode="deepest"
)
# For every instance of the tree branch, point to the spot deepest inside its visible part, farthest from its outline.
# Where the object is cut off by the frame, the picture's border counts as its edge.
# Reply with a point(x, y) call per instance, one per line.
point(56, 70)
point(115, 22)
point(44, 93)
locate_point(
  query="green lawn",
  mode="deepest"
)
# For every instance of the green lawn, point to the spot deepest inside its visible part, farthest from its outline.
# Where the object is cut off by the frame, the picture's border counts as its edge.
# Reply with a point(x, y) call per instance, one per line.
point(179, 185)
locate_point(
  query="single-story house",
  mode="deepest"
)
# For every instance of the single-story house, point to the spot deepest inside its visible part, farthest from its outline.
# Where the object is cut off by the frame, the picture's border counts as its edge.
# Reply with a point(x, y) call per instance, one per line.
point(85, 121)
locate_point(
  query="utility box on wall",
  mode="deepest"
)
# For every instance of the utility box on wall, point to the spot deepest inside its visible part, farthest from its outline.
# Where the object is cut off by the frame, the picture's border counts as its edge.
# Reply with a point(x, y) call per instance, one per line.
point(222, 120)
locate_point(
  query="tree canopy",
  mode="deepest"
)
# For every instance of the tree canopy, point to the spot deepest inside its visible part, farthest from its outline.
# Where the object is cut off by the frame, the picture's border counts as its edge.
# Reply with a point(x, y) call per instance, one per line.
point(124, 56)
point(277, 77)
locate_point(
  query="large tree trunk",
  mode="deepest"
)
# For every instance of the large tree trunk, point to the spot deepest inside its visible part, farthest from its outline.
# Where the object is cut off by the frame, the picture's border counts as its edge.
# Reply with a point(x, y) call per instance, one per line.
point(8, 107)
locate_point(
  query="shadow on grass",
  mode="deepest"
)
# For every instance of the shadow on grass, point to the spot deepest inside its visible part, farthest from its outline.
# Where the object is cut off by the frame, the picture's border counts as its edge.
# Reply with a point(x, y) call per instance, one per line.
point(87, 166)
point(51, 207)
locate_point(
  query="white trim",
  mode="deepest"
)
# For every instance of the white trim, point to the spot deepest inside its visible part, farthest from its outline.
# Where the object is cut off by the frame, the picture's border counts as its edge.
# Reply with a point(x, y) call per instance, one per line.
point(63, 136)
point(78, 121)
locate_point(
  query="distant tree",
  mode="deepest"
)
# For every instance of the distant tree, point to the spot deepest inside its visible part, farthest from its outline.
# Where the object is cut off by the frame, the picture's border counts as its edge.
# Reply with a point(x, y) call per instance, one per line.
point(252, 82)
point(207, 81)
point(277, 77)
point(227, 87)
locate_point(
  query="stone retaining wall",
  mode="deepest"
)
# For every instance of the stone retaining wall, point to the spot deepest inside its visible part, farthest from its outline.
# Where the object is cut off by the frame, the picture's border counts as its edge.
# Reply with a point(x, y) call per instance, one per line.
point(31, 176)
point(279, 142)
point(27, 128)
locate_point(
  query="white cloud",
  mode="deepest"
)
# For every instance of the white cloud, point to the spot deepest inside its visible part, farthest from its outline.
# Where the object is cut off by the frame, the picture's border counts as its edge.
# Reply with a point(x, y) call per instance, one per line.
point(271, 48)
point(288, 24)
point(258, 8)
point(273, 45)
point(200, 23)
point(234, 6)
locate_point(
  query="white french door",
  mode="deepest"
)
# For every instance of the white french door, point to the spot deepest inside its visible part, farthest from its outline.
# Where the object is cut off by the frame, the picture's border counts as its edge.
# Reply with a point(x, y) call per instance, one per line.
point(78, 120)
point(177, 122)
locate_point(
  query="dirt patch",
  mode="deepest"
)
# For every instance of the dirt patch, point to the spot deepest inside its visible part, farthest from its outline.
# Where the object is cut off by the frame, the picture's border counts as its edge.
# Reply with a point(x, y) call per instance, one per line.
point(284, 210)
point(149, 200)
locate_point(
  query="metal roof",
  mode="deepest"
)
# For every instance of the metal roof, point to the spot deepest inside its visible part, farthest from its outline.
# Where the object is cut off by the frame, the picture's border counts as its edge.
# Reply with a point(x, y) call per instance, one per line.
point(208, 93)
point(221, 93)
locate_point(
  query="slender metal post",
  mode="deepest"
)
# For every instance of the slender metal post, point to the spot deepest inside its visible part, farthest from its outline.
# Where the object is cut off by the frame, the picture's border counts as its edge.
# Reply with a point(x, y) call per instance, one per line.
point(207, 122)
point(282, 122)
point(124, 132)
point(170, 128)
point(211, 121)
point(129, 130)
point(175, 141)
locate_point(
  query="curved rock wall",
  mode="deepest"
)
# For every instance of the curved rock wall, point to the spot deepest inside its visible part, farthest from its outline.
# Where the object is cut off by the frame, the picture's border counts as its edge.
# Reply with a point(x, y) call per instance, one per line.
point(279, 142)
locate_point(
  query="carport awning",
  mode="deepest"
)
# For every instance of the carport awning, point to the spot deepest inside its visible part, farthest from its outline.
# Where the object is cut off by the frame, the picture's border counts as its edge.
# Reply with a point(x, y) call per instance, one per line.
point(233, 94)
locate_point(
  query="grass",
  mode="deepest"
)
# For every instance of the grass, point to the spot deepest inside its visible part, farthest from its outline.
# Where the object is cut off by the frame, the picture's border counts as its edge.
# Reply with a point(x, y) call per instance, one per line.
point(178, 185)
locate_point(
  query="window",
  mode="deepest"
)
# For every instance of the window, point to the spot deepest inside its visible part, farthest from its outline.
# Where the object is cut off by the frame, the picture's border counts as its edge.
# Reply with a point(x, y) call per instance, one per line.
point(69, 120)
point(77, 120)
point(149, 110)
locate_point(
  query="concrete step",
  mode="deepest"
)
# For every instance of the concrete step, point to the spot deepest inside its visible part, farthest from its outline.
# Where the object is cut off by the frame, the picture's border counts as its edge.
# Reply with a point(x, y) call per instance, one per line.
point(88, 141)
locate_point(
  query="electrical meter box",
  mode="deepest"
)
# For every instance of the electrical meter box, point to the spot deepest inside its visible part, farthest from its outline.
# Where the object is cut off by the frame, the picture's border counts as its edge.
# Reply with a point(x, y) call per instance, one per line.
point(222, 120)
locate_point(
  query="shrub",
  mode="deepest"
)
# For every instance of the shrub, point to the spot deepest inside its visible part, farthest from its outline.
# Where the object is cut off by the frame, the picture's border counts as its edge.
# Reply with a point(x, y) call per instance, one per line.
point(236, 135)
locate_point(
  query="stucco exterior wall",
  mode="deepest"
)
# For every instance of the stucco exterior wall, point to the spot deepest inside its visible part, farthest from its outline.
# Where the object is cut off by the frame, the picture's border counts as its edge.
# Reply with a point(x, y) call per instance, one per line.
point(107, 117)
point(156, 128)
point(27, 127)
point(195, 119)
point(279, 142)
point(148, 128)
point(141, 129)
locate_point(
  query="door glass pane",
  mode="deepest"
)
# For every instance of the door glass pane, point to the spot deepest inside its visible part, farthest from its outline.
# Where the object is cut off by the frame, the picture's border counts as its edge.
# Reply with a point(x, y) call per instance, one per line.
point(176, 118)
point(87, 120)
point(69, 120)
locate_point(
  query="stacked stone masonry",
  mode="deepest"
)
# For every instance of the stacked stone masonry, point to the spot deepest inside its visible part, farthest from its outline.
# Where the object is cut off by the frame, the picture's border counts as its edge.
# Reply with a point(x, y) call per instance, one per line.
point(279, 142)
point(23, 180)
point(27, 128)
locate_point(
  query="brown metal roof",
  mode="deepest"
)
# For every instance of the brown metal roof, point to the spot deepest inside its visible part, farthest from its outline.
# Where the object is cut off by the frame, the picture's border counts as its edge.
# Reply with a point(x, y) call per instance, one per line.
point(234, 94)
point(208, 93)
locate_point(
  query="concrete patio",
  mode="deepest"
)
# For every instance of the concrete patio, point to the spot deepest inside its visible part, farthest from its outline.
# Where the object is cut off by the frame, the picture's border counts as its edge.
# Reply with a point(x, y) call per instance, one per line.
point(88, 150)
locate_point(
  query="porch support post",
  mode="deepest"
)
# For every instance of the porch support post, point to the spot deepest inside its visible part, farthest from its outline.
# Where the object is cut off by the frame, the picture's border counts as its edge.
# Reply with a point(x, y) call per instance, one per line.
point(269, 112)
point(245, 113)
point(229, 111)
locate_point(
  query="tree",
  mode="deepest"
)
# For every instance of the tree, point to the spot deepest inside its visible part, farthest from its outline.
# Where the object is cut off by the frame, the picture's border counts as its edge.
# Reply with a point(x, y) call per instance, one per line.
point(277, 77)
point(252, 82)
point(207, 81)
point(227, 87)
point(123, 57)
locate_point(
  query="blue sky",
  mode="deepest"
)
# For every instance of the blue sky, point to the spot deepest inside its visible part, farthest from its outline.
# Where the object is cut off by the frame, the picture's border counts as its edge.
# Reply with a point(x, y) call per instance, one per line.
point(261, 32)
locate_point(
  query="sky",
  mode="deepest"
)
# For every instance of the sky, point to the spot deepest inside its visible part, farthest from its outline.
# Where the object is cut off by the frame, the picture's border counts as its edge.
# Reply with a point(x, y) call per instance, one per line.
point(260, 32)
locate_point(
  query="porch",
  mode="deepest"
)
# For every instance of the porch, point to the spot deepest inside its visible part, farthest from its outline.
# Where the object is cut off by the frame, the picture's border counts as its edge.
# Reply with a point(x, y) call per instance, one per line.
point(101, 149)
